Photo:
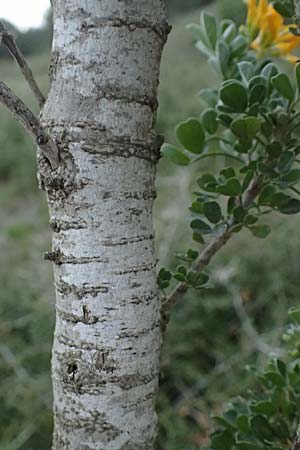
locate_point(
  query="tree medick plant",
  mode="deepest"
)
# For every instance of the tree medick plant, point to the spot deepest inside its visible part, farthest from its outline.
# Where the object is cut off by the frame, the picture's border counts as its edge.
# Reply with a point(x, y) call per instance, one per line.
point(252, 119)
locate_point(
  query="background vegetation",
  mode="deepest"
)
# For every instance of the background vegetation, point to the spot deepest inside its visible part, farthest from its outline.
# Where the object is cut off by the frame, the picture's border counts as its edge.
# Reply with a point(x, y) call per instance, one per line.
point(211, 337)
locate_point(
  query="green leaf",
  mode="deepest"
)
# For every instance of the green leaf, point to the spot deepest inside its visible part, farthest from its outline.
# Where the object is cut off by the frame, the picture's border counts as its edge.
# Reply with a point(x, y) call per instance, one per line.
point(223, 440)
point(223, 55)
point(257, 94)
point(209, 26)
point(212, 212)
point(210, 96)
point(291, 206)
point(282, 84)
point(180, 274)
point(247, 180)
point(285, 161)
point(239, 45)
point(258, 80)
point(209, 120)
point(197, 237)
point(285, 8)
point(231, 204)
point(191, 135)
point(267, 168)
point(197, 207)
point(200, 226)
point(225, 120)
point(281, 366)
point(181, 269)
point(291, 177)
point(267, 130)
point(264, 407)
point(242, 423)
point(261, 428)
point(197, 279)
point(234, 95)
point(275, 378)
point(164, 274)
point(266, 195)
point(228, 30)
point(228, 172)
point(163, 279)
point(278, 200)
point(207, 182)
point(294, 314)
point(231, 188)
point(179, 277)
point(260, 231)
point(274, 149)
point(246, 70)
point(239, 214)
point(236, 228)
point(198, 32)
point(192, 254)
point(269, 71)
point(246, 129)
point(227, 420)
point(250, 220)
point(173, 154)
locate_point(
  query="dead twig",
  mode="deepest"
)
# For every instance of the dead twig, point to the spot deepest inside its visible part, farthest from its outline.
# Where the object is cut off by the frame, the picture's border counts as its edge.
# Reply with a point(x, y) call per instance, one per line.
point(10, 42)
point(30, 122)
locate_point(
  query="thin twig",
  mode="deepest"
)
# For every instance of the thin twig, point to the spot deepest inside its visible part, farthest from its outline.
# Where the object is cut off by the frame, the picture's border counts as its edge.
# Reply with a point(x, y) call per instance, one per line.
point(205, 257)
point(249, 329)
point(26, 117)
point(9, 41)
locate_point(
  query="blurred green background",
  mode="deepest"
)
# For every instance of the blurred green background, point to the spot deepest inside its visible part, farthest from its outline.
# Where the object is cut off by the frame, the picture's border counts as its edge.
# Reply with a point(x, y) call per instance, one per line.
point(212, 335)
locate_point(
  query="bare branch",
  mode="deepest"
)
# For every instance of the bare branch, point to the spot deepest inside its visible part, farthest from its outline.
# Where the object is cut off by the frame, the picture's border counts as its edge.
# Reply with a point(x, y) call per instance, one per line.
point(205, 257)
point(26, 117)
point(9, 41)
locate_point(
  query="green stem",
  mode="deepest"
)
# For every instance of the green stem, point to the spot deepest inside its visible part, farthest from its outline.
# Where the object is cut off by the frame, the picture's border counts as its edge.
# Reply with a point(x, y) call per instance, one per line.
point(295, 190)
point(260, 141)
point(211, 155)
point(267, 119)
point(267, 211)
point(294, 127)
point(294, 104)
point(295, 116)
point(220, 139)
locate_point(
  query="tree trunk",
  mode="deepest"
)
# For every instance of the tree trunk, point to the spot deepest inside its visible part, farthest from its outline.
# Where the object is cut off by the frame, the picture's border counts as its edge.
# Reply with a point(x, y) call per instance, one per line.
point(101, 110)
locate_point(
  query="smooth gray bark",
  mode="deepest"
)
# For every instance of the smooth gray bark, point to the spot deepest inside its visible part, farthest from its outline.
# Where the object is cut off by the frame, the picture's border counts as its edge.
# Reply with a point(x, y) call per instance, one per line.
point(101, 111)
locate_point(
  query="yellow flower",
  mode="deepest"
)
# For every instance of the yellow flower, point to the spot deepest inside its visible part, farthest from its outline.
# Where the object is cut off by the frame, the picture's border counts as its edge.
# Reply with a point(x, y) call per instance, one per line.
point(268, 33)
point(255, 13)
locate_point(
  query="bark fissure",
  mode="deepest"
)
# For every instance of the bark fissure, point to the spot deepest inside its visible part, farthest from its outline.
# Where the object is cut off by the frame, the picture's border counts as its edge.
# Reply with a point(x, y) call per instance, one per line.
point(101, 109)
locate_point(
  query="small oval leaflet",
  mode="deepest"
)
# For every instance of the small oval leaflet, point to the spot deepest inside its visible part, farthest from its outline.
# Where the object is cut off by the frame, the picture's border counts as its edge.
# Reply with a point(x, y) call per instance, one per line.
point(191, 135)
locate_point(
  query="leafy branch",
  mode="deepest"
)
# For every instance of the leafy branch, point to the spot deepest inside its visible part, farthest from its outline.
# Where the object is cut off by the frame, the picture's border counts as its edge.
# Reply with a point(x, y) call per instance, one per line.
point(253, 120)
point(253, 117)
point(205, 257)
